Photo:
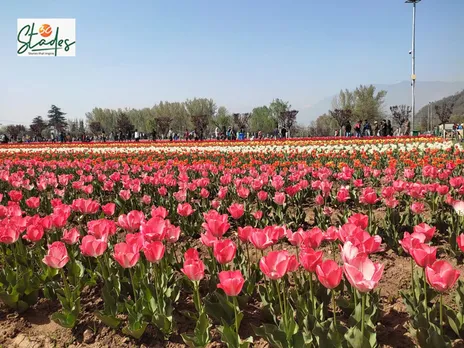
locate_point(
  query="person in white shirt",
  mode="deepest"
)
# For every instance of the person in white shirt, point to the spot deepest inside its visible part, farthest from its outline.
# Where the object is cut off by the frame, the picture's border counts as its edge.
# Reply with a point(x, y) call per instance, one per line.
point(136, 135)
point(216, 133)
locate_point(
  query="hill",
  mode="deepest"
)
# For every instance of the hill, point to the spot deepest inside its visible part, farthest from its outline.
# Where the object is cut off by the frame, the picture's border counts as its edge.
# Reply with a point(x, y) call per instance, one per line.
point(397, 94)
point(458, 111)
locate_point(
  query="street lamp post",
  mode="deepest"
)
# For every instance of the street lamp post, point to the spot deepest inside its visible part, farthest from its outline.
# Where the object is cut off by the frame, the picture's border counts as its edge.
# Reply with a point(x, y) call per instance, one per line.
point(413, 56)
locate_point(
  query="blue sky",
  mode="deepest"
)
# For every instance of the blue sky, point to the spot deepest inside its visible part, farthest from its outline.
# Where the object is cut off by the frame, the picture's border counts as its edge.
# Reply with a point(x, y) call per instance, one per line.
point(240, 53)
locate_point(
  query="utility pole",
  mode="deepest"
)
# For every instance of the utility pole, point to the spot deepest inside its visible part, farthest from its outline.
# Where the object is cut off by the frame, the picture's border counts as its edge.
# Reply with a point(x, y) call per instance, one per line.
point(413, 56)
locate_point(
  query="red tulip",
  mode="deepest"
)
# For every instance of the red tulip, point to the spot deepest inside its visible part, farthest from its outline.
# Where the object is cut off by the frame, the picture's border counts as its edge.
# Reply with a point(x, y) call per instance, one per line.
point(71, 236)
point(460, 241)
point(231, 282)
point(331, 234)
point(360, 220)
point(365, 242)
point(136, 240)
point(15, 196)
point(275, 264)
point(319, 200)
point(57, 255)
point(194, 269)
point(343, 195)
point(33, 202)
point(224, 251)
point(236, 210)
point(329, 274)
point(426, 230)
point(208, 239)
point(262, 195)
point(295, 238)
point(108, 209)
point(362, 273)
point(441, 275)
point(90, 246)
point(154, 251)
point(309, 259)
point(258, 215)
point(126, 255)
point(313, 238)
point(423, 254)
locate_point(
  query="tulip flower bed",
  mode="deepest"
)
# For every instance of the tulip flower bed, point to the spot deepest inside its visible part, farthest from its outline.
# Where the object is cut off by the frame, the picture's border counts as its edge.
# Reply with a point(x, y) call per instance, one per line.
point(296, 243)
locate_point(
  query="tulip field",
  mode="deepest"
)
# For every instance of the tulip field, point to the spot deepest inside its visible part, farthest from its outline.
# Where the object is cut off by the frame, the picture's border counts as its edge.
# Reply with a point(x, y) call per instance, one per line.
point(276, 243)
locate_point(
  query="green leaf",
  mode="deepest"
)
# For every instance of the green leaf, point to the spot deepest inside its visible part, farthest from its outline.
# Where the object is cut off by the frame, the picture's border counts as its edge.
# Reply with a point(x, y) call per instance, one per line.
point(109, 320)
point(65, 319)
point(136, 330)
point(201, 336)
point(272, 334)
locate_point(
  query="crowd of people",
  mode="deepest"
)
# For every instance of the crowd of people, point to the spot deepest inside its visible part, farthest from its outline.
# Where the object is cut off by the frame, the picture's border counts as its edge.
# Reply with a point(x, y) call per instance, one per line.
point(383, 128)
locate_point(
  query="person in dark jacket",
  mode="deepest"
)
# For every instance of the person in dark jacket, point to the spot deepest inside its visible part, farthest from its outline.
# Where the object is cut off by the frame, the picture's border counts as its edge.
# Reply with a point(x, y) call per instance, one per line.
point(348, 129)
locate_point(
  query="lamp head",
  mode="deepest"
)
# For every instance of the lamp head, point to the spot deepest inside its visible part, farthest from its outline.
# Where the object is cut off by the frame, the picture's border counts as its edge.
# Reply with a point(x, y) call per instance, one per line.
point(412, 1)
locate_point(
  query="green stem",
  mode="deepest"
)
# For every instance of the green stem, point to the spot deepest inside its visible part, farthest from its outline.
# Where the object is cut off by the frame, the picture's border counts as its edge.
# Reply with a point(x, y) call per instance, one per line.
point(67, 290)
point(280, 303)
point(412, 278)
point(311, 291)
point(236, 317)
point(133, 284)
point(334, 308)
point(363, 305)
point(155, 285)
point(425, 297)
point(441, 313)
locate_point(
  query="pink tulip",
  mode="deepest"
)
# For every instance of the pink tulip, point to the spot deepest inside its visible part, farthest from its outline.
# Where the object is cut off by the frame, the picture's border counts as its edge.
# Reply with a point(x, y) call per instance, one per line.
point(172, 232)
point(231, 282)
point(90, 246)
point(194, 269)
point(409, 241)
point(343, 195)
point(159, 211)
point(9, 234)
point(108, 209)
point(154, 251)
point(146, 199)
point(426, 230)
point(71, 236)
point(224, 251)
point(258, 215)
point(441, 275)
point(125, 195)
point(191, 254)
point(126, 255)
point(154, 229)
point(296, 238)
point(260, 239)
point(184, 209)
point(33, 202)
point(236, 210)
point(279, 198)
point(244, 233)
point(34, 233)
point(349, 252)
point(57, 255)
point(417, 208)
point(275, 264)
point(262, 195)
point(313, 238)
point(362, 273)
point(459, 207)
point(329, 274)
point(216, 224)
point(132, 221)
point(102, 228)
point(360, 220)
point(15, 196)
point(331, 235)
point(423, 254)
point(208, 239)
point(309, 259)
point(460, 241)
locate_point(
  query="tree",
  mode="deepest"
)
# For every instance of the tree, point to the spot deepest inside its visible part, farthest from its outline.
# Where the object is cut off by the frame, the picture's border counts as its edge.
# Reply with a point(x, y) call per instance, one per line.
point(444, 112)
point(341, 116)
point(368, 103)
point(345, 100)
point(222, 119)
point(56, 118)
point(15, 131)
point(324, 126)
point(37, 126)
point(95, 127)
point(261, 120)
point(277, 108)
point(241, 120)
point(124, 124)
point(201, 112)
point(400, 114)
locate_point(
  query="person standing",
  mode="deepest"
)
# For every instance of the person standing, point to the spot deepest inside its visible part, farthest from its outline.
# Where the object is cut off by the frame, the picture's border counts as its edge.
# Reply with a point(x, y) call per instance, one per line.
point(137, 136)
point(284, 133)
point(348, 129)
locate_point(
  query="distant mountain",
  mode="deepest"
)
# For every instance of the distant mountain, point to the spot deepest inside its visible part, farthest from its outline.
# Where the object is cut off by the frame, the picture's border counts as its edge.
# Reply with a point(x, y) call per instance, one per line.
point(397, 94)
